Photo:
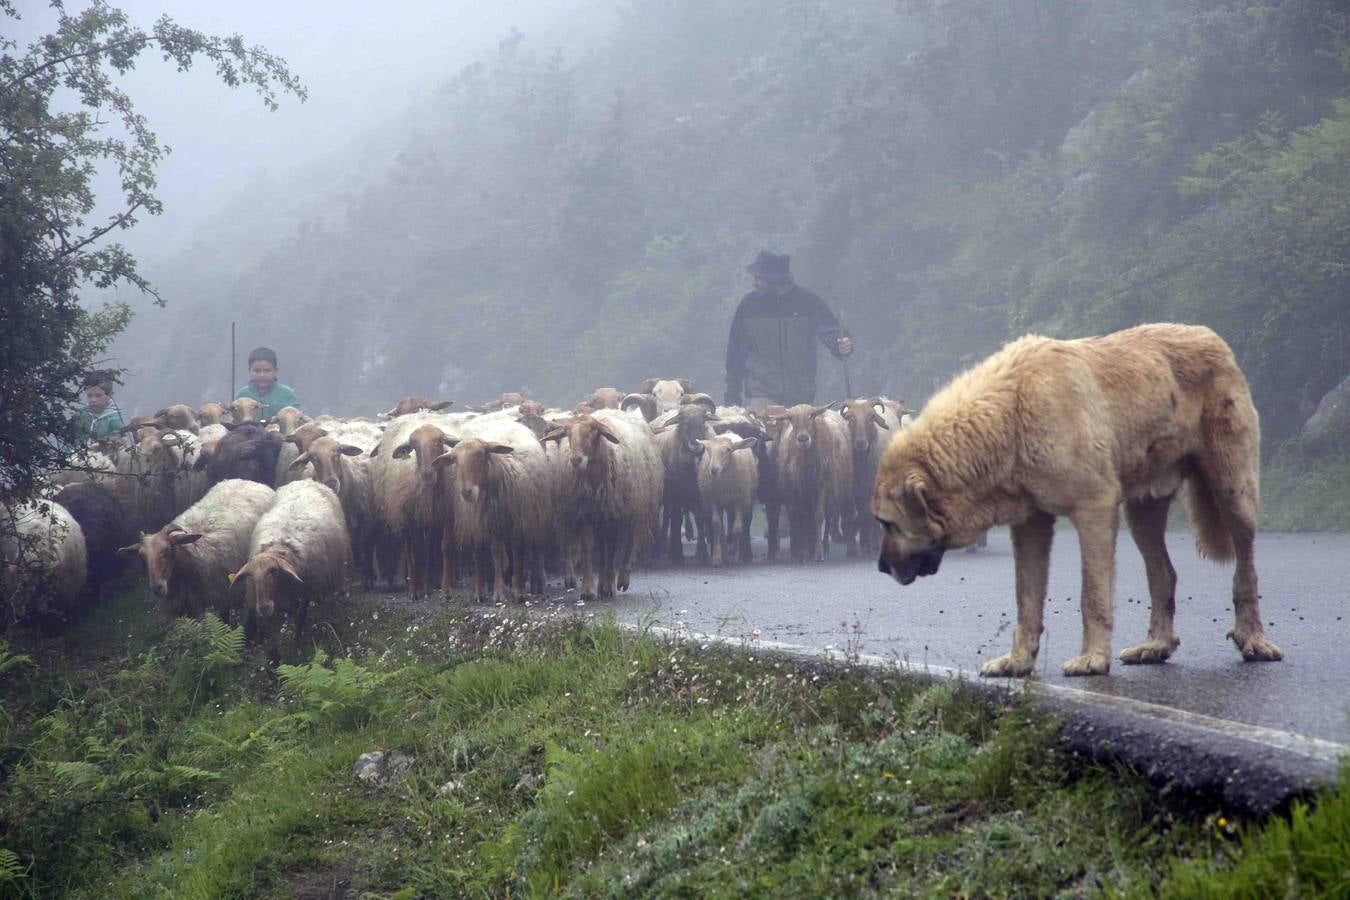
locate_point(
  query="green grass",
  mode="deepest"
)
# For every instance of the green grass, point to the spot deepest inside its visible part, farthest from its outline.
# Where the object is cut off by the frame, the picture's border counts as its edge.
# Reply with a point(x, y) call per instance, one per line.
point(1301, 494)
point(146, 758)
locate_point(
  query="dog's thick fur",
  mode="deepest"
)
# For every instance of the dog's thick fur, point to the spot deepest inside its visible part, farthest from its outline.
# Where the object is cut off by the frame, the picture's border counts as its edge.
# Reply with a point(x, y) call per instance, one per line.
point(1045, 428)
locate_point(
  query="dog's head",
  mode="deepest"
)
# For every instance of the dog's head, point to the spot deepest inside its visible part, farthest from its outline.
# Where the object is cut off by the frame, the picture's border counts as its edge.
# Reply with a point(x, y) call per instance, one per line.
point(913, 536)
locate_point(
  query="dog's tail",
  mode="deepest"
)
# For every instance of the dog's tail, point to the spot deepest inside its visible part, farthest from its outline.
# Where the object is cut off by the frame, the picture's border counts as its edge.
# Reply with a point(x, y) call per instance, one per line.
point(1213, 540)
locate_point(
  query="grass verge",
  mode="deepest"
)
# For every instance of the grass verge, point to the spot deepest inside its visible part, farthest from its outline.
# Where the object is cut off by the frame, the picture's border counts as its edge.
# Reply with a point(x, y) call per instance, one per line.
point(554, 757)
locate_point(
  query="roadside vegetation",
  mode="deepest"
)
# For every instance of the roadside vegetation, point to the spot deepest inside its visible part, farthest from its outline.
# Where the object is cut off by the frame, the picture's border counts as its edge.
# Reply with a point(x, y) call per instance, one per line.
point(554, 756)
point(1306, 494)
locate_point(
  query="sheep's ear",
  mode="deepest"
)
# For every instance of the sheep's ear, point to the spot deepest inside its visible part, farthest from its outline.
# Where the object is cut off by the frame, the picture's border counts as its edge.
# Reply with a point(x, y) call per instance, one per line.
point(745, 443)
point(647, 386)
point(879, 421)
point(606, 433)
point(375, 451)
point(440, 404)
point(291, 439)
point(555, 434)
point(445, 459)
point(686, 385)
point(186, 537)
point(501, 448)
point(129, 549)
point(451, 442)
point(402, 450)
point(697, 447)
point(299, 461)
point(350, 450)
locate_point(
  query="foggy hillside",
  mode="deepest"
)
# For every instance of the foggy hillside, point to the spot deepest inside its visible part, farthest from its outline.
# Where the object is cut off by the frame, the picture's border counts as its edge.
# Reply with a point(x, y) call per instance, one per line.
point(568, 213)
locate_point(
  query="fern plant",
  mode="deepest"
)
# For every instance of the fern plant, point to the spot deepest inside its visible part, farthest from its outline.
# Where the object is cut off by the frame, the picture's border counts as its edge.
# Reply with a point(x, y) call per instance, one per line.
point(344, 694)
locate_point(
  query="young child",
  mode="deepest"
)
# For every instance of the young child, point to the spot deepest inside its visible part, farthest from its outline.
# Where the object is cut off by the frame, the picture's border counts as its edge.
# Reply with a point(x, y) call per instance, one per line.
point(263, 385)
point(100, 418)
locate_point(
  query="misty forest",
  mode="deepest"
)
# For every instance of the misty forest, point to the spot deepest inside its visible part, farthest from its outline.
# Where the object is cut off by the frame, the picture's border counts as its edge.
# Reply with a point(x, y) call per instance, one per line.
point(946, 175)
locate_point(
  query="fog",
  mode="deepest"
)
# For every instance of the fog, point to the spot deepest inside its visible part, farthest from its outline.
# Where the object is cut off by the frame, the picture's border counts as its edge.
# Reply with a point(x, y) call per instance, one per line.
point(362, 64)
point(576, 209)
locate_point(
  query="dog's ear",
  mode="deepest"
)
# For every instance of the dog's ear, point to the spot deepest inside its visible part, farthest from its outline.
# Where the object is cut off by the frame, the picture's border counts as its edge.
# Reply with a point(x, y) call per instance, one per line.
point(912, 495)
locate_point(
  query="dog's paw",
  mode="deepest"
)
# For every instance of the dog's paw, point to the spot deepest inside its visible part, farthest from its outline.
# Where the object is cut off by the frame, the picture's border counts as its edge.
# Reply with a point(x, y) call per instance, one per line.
point(1256, 647)
point(1088, 664)
point(1149, 652)
point(1010, 665)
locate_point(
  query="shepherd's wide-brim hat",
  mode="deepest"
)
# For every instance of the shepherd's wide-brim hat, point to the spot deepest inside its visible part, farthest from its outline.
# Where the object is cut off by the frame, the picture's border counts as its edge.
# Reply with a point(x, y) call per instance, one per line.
point(771, 267)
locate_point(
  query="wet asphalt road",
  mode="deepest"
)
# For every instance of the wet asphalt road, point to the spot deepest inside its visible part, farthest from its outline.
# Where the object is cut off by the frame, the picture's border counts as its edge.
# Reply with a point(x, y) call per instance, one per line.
point(963, 615)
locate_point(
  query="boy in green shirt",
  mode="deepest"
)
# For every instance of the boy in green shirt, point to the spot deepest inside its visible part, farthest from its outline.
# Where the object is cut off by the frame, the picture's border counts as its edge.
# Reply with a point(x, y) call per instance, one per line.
point(100, 418)
point(263, 385)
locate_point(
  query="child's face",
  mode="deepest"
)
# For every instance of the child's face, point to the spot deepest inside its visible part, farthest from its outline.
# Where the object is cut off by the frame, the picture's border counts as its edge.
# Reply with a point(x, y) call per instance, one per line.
point(97, 398)
point(263, 375)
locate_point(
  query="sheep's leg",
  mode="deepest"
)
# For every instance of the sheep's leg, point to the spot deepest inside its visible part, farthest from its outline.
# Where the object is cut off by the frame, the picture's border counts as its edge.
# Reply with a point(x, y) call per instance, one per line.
point(702, 540)
point(569, 565)
point(301, 615)
point(608, 545)
point(501, 562)
point(537, 585)
point(518, 567)
point(718, 533)
point(587, 562)
point(449, 562)
point(632, 546)
point(689, 533)
point(674, 549)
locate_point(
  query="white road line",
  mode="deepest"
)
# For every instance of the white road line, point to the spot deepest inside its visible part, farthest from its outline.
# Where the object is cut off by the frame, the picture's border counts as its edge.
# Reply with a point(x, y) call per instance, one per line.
point(1301, 744)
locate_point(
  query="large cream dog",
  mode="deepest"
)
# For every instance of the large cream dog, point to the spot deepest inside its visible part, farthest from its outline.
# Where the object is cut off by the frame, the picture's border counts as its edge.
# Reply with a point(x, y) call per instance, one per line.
point(1047, 428)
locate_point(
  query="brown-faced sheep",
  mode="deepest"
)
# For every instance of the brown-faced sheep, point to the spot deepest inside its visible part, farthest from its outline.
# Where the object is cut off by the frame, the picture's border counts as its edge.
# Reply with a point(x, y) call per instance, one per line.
point(189, 560)
point(411, 496)
point(245, 409)
point(677, 443)
point(610, 493)
point(212, 413)
point(299, 552)
point(871, 424)
point(728, 477)
point(180, 416)
point(815, 476)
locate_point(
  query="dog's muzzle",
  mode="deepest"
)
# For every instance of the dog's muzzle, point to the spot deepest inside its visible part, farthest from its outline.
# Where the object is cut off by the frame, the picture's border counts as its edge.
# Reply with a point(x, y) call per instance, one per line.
point(913, 566)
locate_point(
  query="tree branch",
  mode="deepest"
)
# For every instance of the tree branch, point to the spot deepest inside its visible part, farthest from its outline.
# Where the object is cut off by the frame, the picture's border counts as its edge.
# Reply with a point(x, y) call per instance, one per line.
point(99, 232)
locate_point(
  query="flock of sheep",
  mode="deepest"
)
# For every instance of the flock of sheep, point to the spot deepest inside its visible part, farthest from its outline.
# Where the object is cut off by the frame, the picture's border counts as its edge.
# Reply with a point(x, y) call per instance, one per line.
point(261, 518)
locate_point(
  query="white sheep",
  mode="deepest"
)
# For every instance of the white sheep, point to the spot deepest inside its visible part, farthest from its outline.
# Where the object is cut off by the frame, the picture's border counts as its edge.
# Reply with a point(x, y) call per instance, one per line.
point(345, 470)
point(189, 560)
point(43, 561)
point(411, 499)
point(503, 493)
point(610, 494)
point(728, 477)
point(299, 551)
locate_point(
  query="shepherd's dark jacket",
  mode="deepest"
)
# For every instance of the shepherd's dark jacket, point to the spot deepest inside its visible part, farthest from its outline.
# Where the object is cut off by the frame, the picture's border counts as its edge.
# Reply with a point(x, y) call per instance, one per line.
point(771, 351)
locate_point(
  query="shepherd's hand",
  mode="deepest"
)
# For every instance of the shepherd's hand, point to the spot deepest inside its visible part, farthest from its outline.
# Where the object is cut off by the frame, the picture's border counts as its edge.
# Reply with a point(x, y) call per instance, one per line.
point(845, 345)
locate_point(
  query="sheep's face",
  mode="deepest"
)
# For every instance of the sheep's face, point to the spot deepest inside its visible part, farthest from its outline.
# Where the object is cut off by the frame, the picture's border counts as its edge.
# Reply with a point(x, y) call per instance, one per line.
point(179, 415)
point(585, 440)
point(801, 427)
point(212, 413)
point(426, 444)
point(245, 409)
point(717, 453)
point(606, 398)
point(265, 580)
point(305, 435)
point(668, 395)
point(288, 418)
point(160, 552)
point(863, 418)
point(473, 462)
point(325, 454)
point(157, 453)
